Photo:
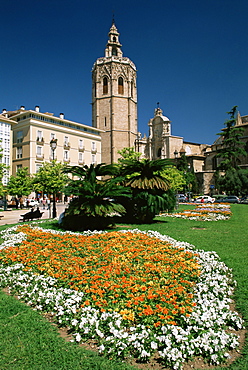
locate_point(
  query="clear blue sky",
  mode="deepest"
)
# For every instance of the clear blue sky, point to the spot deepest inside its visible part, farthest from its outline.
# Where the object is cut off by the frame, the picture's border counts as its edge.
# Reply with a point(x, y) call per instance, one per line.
point(191, 57)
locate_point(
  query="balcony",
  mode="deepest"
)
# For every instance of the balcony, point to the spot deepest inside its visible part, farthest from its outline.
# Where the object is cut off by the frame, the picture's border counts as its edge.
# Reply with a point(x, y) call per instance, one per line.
point(93, 150)
point(40, 157)
point(66, 160)
point(67, 146)
point(40, 141)
point(81, 149)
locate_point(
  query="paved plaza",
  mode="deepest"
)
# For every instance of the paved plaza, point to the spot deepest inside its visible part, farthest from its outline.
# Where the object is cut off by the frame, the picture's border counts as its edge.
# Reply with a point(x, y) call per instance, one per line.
point(13, 216)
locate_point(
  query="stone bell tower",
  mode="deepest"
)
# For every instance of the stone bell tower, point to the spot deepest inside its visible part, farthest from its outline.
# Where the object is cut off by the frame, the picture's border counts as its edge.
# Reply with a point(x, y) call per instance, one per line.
point(114, 99)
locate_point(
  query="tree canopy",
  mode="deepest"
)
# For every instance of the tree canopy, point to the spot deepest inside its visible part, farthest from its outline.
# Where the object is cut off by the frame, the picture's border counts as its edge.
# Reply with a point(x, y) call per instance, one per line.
point(232, 146)
point(50, 178)
point(21, 184)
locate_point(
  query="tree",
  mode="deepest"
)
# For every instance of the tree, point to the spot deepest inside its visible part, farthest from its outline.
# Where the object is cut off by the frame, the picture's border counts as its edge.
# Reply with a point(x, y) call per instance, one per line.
point(50, 178)
point(187, 171)
point(151, 191)
point(232, 145)
point(175, 178)
point(234, 182)
point(96, 203)
point(21, 184)
point(128, 154)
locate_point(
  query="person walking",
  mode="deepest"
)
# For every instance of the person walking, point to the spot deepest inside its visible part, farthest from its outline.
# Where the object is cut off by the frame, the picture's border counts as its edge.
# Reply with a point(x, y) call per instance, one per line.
point(48, 203)
point(16, 202)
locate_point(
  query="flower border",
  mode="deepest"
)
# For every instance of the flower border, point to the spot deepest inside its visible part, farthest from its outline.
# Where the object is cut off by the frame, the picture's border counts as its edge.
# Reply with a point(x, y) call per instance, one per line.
point(204, 333)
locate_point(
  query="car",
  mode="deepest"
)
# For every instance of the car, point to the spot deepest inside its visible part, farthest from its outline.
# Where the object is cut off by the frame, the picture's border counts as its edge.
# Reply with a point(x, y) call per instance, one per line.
point(181, 198)
point(229, 199)
point(244, 200)
point(204, 199)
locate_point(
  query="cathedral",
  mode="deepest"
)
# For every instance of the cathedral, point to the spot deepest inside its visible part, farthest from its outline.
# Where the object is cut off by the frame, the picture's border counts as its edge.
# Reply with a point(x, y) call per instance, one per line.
point(114, 113)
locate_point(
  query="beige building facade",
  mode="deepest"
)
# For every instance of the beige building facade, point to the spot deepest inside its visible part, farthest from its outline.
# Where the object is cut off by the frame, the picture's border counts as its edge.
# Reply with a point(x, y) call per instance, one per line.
point(77, 144)
point(114, 99)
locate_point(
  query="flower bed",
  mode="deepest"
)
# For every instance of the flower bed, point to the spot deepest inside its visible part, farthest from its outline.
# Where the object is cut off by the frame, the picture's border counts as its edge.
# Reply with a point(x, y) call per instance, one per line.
point(135, 293)
point(203, 212)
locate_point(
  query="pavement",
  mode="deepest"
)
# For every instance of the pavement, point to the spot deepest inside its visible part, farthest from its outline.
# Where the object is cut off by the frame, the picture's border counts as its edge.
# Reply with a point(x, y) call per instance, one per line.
point(13, 216)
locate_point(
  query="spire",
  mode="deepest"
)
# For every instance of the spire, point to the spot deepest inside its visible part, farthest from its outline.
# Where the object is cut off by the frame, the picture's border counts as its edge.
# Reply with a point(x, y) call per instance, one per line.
point(113, 47)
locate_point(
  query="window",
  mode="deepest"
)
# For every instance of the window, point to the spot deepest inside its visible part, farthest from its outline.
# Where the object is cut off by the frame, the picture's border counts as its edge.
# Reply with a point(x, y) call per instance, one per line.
point(66, 155)
point(39, 135)
point(80, 157)
point(95, 89)
point(38, 166)
point(120, 86)
point(81, 144)
point(105, 85)
point(114, 51)
point(66, 140)
point(93, 159)
point(19, 152)
point(93, 146)
point(52, 136)
point(18, 167)
point(131, 89)
point(39, 151)
point(19, 136)
point(6, 145)
point(6, 160)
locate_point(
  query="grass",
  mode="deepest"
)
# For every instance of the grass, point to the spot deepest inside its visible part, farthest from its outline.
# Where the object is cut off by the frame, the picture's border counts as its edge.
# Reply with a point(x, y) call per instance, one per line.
point(29, 342)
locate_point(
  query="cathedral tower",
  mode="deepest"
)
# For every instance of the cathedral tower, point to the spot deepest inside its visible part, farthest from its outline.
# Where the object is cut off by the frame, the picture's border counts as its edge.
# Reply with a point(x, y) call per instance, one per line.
point(114, 99)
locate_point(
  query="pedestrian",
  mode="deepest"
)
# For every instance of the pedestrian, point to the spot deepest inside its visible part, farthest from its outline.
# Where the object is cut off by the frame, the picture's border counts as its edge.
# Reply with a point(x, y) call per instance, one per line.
point(21, 203)
point(44, 203)
point(48, 203)
point(16, 202)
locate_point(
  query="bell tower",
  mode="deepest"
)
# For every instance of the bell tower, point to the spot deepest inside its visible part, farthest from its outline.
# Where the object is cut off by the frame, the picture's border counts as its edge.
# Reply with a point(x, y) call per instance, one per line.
point(114, 99)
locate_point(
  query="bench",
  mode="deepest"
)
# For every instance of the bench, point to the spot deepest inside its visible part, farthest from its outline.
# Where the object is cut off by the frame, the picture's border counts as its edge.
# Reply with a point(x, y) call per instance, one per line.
point(31, 215)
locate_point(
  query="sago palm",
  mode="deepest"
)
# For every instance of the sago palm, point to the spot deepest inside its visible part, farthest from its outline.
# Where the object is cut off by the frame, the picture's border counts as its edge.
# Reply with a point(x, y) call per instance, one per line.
point(145, 174)
point(150, 190)
point(94, 205)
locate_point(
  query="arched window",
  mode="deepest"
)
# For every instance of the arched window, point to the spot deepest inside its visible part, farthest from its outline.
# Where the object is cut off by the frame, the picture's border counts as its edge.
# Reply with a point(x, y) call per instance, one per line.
point(159, 152)
point(114, 39)
point(105, 85)
point(131, 89)
point(114, 51)
point(120, 86)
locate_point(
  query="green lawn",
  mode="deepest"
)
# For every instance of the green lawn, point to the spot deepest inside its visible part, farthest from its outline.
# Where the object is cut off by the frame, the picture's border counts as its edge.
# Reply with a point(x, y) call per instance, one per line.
point(29, 342)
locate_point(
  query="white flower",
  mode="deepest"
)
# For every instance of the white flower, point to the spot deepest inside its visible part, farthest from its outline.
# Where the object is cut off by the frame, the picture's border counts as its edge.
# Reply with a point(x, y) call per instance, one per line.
point(78, 337)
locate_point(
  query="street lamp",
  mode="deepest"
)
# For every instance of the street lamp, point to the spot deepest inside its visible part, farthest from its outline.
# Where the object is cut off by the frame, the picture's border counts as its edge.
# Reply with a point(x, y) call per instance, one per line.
point(53, 146)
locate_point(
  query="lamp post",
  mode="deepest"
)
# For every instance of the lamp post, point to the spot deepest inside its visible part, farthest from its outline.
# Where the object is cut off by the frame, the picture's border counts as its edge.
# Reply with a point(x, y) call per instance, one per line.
point(53, 146)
